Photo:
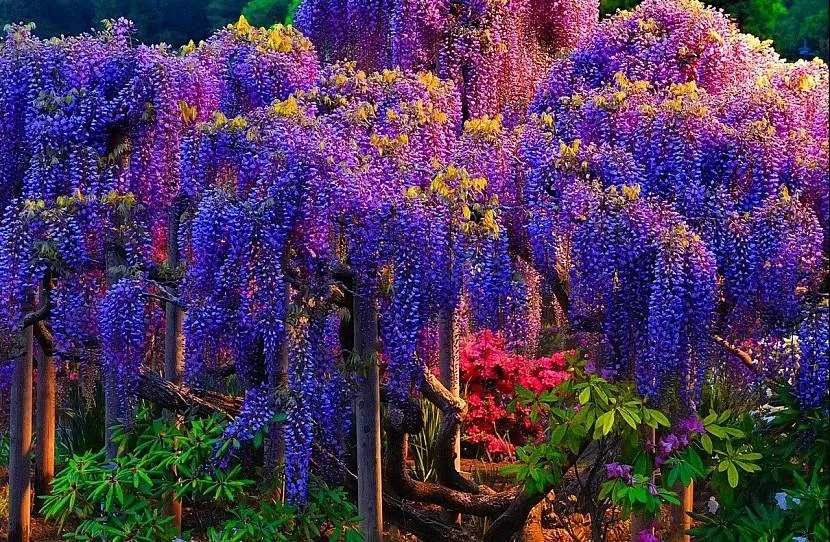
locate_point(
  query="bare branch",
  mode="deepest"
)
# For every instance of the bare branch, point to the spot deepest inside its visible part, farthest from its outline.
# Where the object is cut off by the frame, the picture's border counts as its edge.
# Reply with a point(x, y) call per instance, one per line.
point(744, 356)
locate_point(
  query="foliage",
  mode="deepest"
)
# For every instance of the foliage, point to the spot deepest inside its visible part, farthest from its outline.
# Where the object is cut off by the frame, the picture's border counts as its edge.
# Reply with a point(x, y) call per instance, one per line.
point(490, 377)
point(805, 23)
point(328, 515)
point(588, 410)
point(790, 484)
point(268, 12)
point(421, 444)
point(171, 21)
point(122, 499)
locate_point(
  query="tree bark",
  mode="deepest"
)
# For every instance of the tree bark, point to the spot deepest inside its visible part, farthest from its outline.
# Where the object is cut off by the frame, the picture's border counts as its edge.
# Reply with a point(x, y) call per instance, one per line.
point(420, 523)
point(448, 460)
point(514, 517)
point(532, 530)
point(20, 442)
point(397, 476)
point(201, 402)
point(453, 409)
point(367, 414)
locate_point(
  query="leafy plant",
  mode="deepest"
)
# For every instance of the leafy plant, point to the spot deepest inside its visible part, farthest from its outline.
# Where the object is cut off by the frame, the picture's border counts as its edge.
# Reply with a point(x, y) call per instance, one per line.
point(587, 410)
point(421, 444)
point(121, 499)
point(788, 475)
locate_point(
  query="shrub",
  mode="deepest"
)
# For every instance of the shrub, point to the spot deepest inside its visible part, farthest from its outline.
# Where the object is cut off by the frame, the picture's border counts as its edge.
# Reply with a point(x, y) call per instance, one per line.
point(490, 375)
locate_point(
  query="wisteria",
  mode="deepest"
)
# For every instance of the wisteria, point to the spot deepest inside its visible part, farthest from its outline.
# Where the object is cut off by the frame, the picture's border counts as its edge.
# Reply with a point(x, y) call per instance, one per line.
point(122, 322)
point(680, 128)
point(495, 52)
point(451, 162)
point(812, 378)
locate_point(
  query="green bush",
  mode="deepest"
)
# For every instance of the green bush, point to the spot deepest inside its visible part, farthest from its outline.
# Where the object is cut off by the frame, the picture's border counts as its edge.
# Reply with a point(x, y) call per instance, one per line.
point(121, 499)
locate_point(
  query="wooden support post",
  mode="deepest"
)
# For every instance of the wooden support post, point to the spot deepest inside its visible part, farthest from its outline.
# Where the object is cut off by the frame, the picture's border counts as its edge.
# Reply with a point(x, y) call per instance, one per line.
point(20, 443)
point(450, 378)
point(367, 413)
point(112, 408)
point(274, 445)
point(173, 339)
point(681, 521)
point(45, 425)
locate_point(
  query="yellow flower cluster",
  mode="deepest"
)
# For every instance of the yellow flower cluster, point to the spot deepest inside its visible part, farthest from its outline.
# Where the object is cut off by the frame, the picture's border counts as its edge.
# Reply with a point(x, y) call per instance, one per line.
point(286, 108)
point(278, 38)
point(188, 113)
point(458, 188)
point(386, 145)
point(484, 127)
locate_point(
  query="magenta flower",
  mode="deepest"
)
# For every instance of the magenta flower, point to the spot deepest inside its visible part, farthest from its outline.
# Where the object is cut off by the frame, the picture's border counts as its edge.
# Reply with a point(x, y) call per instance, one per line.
point(619, 470)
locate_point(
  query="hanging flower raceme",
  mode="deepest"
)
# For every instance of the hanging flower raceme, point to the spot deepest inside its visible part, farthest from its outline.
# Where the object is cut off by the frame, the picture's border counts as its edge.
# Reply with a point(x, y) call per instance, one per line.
point(709, 126)
point(121, 320)
point(493, 51)
point(814, 359)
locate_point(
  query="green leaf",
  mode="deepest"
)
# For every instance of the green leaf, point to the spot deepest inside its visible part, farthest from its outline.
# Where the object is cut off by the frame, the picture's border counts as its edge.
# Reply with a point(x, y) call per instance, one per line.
point(716, 430)
point(732, 475)
point(585, 396)
point(706, 442)
point(629, 419)
point(659, 417)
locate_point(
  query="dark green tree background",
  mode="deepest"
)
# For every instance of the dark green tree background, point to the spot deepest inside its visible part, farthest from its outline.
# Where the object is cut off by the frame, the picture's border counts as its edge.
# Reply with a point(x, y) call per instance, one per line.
point(797, 27)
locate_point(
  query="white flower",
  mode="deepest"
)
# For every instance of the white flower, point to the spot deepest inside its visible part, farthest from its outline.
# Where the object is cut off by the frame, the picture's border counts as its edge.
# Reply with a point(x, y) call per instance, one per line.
point(781, 499)
point(713, 505)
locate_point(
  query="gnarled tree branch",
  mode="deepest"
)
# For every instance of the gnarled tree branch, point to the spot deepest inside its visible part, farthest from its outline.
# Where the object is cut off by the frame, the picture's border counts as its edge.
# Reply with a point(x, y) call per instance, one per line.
point(744, 356)
point(453, 409)
point(152, 387)
point(397, 476)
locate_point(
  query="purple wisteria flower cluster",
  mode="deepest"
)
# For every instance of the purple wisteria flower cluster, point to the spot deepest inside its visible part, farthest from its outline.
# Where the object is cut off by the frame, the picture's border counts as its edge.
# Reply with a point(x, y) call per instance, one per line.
point(668, 180)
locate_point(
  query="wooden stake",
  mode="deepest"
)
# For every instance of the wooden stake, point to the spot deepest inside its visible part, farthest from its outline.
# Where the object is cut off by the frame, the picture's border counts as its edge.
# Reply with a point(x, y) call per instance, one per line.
point(45, 425)
point(681, 521)
point(639, 522)
point(173, 339)
point(367, 414)
point(20, 443)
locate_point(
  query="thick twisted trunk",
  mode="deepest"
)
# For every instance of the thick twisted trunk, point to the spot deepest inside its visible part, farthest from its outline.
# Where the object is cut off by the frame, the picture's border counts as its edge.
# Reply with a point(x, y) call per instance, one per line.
point(448, 444)
point(453, 409)
point(397, 476)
